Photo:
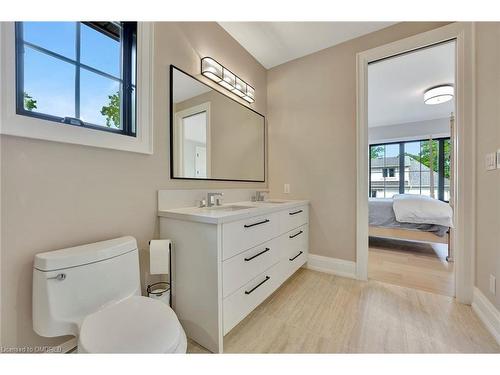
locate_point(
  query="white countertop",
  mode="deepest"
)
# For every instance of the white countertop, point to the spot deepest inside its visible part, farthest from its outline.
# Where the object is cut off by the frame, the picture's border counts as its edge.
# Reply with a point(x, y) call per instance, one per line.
point(214, 215)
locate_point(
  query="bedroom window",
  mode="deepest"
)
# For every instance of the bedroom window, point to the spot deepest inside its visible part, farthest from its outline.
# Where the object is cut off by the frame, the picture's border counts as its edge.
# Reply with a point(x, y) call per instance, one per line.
point(78, 73)
point(414, 167)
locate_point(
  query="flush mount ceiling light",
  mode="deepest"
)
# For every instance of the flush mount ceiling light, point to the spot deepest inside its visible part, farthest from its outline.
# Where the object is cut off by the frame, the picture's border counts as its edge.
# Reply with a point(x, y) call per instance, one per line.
point(224, 77)
point(439, 94)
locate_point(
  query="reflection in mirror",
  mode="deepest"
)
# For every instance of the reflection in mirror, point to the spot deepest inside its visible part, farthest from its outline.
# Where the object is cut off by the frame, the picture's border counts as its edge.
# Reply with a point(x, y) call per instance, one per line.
point(212, 135)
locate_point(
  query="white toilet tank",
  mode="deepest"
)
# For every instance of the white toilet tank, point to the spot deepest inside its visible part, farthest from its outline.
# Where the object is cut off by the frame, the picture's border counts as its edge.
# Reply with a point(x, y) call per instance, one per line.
point(69, 284)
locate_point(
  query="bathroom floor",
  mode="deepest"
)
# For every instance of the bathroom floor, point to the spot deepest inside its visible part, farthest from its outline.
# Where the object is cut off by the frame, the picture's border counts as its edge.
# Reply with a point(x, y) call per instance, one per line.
point(314, 312)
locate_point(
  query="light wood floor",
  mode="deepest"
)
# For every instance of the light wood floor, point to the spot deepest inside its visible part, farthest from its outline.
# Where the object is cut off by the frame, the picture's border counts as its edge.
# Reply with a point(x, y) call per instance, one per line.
point(411, 264)
point(314, 312)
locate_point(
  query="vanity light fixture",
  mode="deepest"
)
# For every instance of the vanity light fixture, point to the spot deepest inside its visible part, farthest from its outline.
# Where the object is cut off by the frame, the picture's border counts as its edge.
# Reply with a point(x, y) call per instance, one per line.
point(227, 79)
point(438, 94)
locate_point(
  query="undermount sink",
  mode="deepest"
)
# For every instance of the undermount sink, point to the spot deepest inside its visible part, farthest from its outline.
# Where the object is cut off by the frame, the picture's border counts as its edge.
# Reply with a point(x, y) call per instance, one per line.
point(228, 208)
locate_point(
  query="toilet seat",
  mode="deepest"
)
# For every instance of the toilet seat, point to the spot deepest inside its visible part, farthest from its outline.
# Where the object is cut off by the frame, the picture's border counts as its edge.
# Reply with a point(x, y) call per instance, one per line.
point(135, 325)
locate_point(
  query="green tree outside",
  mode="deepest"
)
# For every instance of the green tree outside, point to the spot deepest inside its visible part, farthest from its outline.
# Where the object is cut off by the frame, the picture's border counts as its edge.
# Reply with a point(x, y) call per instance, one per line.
point(112, 111)
point(29, 102)
point(425, 156)
point(376, 152)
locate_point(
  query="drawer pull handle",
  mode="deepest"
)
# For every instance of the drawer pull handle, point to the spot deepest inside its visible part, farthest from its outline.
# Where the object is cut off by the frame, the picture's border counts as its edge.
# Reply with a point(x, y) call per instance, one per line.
point(254, 224)
point(296, 256)
point(295, 235)
point(295, 213)
point(256, 286)
point(256, 255)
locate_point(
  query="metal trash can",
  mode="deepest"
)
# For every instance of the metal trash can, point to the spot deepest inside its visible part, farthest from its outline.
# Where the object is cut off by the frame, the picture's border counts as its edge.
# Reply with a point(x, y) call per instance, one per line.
point(160, 291)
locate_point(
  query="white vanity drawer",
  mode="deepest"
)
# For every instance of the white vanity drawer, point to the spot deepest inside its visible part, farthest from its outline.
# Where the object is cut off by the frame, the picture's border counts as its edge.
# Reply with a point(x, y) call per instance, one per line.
point(240, 269)
point(241, 235)
point(293, 218)
point(239, 304)
point(295, 248)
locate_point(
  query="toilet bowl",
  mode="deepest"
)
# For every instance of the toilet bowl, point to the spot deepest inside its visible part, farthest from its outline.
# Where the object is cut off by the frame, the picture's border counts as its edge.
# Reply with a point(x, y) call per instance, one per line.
point(93, 292)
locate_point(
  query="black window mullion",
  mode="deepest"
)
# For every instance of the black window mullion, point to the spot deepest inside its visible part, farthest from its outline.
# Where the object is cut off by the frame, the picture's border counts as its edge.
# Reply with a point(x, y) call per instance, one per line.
point(77, 70)
point(128, 30)
point(19, 67)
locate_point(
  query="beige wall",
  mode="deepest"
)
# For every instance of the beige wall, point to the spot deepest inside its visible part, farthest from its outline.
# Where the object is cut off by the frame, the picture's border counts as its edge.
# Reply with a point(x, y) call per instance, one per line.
point(56, 195)
point(237, 138)
point(312, 136)
point(488, 140)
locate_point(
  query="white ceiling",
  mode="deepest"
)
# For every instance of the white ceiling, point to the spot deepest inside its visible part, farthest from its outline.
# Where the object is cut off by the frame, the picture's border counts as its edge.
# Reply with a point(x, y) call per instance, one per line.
point(187, 87)
point(396, 86)
point(274, 43)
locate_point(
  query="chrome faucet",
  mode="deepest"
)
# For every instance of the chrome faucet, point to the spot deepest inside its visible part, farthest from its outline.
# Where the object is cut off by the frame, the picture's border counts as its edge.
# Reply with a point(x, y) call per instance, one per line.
point(210, 201)
point(259, 195)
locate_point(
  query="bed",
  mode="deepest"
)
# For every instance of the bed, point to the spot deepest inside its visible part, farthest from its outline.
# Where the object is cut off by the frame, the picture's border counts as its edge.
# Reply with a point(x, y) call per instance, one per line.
point(416, 218)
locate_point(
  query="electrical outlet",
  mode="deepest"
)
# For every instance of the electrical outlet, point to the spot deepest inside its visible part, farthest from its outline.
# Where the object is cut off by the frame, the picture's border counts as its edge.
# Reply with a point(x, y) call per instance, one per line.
point(493, 282)
point(286, 189)
point(490, 160)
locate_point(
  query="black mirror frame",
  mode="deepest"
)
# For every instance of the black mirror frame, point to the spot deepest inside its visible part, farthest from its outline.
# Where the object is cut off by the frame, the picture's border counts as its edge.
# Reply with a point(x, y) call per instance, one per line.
point(171, 100)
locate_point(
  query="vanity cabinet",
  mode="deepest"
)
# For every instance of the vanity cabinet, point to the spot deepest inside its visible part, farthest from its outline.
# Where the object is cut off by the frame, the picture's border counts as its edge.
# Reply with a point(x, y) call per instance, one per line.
point(225, 264)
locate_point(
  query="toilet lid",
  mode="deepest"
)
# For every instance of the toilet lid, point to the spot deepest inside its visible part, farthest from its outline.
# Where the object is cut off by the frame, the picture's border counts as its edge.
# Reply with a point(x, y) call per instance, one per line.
point(134, 325)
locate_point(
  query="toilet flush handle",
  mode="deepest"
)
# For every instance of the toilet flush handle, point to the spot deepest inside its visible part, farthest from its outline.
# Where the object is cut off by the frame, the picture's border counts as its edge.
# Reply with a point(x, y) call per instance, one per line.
point(58, 277)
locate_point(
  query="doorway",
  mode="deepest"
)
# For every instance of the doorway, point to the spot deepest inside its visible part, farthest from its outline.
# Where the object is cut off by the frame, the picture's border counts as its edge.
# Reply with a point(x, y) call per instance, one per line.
point(462, 240)
point(193, 141)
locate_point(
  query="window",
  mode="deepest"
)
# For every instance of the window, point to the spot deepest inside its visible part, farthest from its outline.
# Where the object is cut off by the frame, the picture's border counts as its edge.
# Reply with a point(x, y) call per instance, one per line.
point(78, 73)
point(384, 179)
point(388, 172)
point(414, 167)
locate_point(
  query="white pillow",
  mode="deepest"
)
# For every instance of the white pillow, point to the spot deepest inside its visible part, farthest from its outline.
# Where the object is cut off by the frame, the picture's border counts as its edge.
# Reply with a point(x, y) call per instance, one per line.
point(419, 209)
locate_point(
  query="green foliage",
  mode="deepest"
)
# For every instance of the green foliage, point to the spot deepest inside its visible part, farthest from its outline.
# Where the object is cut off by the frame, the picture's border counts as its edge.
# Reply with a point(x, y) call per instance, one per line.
point(112, 110)
point(376, 152)
point(29, 102)
point(425, 156)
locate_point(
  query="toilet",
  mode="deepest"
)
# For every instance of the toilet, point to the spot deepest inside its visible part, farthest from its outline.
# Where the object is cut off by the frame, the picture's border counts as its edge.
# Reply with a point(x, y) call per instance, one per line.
point(93, 292)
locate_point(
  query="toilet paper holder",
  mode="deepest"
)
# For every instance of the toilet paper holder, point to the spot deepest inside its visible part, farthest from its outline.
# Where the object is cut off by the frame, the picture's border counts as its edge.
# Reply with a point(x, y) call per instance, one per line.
point(149, 288)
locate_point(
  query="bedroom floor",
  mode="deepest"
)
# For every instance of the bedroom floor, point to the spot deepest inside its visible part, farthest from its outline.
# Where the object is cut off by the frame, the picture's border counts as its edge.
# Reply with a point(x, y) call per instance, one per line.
point(411, 264)
point(315, 312)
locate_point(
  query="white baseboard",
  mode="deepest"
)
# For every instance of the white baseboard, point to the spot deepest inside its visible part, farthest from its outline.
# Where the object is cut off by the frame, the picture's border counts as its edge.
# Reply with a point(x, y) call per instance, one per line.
point(339, 267)
point(488, 314)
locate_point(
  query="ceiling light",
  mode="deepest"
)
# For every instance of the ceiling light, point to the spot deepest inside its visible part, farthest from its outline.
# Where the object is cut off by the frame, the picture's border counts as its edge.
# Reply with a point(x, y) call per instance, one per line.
point(224, 77)
point(439, 94)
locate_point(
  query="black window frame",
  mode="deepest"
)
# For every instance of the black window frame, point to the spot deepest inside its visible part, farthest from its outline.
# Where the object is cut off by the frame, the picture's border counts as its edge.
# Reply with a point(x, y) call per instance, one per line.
point(128, 47)
point(441, 164)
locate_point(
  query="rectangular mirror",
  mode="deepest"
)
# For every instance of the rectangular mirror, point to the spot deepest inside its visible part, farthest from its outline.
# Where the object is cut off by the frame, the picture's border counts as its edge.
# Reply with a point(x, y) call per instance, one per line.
point(213, 137)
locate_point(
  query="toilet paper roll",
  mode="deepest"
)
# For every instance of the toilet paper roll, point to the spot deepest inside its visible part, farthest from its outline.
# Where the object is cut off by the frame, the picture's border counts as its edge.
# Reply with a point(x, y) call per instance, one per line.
point(159, 257)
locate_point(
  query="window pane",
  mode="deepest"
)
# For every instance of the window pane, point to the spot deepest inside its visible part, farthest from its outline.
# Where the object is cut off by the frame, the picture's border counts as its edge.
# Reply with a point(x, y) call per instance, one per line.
point(49, 83)
point(99, 100)
point(100, 51)
point(58, 37)
point(413, 185)
point(412, 149)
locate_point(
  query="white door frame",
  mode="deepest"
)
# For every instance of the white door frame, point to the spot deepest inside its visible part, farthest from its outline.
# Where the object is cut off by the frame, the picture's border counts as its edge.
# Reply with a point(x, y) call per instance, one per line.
point(464, 150)
point(179, 136)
